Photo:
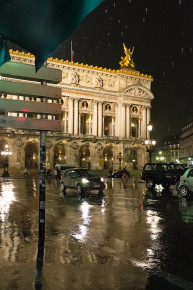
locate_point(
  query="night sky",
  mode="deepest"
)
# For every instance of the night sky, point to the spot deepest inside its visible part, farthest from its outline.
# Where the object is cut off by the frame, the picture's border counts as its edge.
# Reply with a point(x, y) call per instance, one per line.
point(162, 33)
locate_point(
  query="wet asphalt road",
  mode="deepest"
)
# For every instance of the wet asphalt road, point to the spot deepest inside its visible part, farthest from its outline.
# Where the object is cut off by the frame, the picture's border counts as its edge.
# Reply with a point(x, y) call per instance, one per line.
point(130, 238)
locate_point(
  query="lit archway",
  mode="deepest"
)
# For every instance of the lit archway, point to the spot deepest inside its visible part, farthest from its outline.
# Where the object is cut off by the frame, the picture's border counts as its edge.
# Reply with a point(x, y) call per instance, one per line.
point(2, 148)
point(59, 154)
point(134, 158)
point(108, 157)
point(84, 156)
point(31, 155)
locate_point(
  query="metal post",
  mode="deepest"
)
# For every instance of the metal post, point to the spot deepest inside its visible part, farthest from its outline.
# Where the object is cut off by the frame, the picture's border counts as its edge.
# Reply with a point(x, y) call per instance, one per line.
point(42, 184)
point(150, 154)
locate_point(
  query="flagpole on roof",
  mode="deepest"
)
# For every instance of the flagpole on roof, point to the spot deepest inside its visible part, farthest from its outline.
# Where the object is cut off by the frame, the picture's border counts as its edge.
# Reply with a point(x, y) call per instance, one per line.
point(72, 53)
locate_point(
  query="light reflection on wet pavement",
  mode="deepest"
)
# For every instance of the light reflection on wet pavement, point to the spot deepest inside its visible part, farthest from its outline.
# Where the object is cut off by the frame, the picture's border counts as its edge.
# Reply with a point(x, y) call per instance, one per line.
point(130, 238)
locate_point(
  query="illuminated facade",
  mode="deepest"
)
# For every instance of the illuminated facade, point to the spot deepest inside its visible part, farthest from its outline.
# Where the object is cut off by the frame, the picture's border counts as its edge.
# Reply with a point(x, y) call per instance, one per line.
point(168, 150)
point(186, 143)
point(104, 112)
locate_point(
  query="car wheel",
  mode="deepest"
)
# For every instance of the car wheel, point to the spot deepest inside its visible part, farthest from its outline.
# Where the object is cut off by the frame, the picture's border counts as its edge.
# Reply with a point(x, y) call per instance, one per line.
point(80, 189)
point(183, 191)
point(150, 183)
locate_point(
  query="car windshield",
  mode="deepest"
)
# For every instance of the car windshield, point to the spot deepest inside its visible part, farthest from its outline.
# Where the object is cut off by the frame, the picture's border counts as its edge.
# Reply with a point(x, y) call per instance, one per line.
point(85, 172)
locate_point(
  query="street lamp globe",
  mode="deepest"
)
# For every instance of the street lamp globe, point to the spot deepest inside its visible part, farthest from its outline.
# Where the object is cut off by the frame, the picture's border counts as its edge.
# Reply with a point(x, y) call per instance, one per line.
point(149, 127)
point(146, 142)
point(153, 142)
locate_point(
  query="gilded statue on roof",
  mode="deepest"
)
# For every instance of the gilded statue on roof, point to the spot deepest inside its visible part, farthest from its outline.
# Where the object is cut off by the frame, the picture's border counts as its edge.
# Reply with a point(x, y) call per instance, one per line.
point(127, 60)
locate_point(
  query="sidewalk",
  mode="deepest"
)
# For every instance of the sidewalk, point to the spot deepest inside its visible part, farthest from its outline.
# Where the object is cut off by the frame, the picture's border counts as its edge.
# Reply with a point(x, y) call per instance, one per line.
point(20, 173)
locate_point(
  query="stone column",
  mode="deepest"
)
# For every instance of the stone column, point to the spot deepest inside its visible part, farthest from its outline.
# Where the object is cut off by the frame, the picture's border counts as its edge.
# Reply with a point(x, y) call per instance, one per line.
point(76, 117)
point(123, 127)
point(139, 128)
point(144, 123)
point(113, 124)
point(95, 121)
point(116, 120)
point(64, 121)
point(90, 125)
point(79, 123)
point(119, 121)
point(70, 116)
point(128, 121)
point(100, 119)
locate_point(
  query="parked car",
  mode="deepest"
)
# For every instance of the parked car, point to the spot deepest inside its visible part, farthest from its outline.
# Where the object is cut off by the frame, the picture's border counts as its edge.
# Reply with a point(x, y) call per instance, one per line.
point(59, 168)
point(82, 179)
point(161, 173)
point(186, 182)
point(119, 174)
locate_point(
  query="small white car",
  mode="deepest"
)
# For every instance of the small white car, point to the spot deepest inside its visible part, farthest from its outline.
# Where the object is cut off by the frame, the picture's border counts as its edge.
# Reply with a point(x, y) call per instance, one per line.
point(186, 182)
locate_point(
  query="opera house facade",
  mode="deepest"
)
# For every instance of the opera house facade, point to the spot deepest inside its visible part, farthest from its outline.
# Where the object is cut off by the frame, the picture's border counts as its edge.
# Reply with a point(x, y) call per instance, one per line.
point(104, 119)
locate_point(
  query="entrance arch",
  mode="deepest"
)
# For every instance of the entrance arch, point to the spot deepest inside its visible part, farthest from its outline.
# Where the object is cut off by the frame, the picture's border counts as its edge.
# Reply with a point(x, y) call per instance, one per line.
point(108, 157)
point(59, 154)
point(31, 155)
point(84, 156)
point(134, 158)
point(2, 148)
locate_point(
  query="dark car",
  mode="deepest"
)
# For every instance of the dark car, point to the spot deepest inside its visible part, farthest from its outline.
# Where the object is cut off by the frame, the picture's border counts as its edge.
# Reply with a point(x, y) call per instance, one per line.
point(119, 174)
point(82, 179)
point(161, 173)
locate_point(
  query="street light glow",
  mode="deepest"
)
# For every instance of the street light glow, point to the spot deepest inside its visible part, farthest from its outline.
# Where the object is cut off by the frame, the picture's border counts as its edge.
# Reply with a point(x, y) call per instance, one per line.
point(149, 127)
point(150, 143)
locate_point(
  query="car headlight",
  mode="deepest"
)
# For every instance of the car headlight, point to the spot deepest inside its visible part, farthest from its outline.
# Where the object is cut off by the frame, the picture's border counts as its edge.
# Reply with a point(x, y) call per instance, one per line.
point(84, 180)
point(102, 179)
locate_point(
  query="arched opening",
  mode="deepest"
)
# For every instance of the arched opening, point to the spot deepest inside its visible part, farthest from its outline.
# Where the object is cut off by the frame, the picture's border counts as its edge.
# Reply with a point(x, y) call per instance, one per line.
point(108, 157)
point(134, 158)
point(84, 156)
point(59, 154)
point(31, 156)
point(2, 148)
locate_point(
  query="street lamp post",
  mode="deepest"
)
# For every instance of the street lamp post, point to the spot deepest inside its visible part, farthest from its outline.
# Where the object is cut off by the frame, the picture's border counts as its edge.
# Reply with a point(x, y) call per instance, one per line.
point(150, 143)
point(120, 158)
point(6, 155)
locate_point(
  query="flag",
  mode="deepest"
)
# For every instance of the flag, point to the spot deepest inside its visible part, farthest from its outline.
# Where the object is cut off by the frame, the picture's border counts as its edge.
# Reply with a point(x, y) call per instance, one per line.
point(40, 26)
point(72, 53)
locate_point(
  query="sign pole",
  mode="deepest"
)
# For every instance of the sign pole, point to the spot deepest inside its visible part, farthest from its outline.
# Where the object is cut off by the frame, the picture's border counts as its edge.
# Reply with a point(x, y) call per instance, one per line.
point(42, 184)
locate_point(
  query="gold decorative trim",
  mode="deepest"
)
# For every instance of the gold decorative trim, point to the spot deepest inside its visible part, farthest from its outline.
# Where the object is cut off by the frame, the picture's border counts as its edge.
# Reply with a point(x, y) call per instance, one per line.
point(61, 61)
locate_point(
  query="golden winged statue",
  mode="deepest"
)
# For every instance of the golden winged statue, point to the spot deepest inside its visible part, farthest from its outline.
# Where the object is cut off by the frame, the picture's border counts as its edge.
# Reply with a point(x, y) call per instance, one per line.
point(127, 61)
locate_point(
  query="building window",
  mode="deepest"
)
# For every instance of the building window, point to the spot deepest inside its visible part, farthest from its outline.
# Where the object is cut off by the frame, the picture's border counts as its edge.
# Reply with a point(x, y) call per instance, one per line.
point(134, 127)
point(108, 126)
point(84, 123)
